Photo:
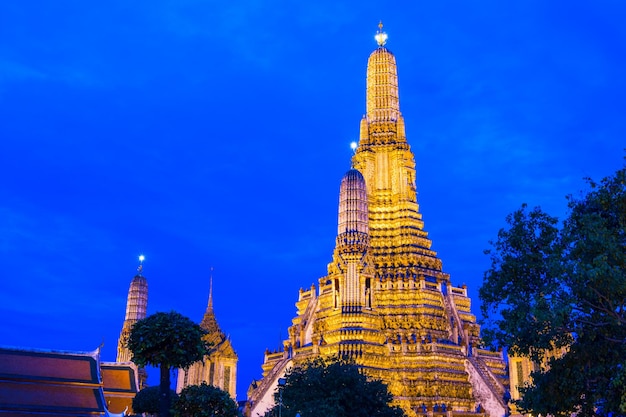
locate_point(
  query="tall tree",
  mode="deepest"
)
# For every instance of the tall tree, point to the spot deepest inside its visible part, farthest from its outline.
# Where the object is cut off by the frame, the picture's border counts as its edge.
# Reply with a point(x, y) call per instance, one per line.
point(554, 286)
point(332, 388)
point(166, 340)
point(204, 401)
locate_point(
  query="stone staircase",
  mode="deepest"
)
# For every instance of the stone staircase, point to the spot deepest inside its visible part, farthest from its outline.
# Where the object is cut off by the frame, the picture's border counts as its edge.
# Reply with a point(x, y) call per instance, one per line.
point(448, 302)
point(262, 398)
point(492, 381)
point(488, 390)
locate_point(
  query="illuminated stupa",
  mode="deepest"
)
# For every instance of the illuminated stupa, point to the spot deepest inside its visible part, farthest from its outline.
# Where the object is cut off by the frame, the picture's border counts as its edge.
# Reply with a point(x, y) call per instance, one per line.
point(386, 302)
point(136, 309)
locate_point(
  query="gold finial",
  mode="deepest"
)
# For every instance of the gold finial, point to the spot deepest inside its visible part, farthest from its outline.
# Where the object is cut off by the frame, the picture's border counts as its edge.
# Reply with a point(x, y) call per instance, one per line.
point(381, 37)
point(140, 267)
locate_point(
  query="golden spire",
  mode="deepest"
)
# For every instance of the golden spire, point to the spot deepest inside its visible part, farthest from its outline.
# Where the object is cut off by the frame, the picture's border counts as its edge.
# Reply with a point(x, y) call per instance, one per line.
point(140, 267)
point(382, 83)
point(210, 305)
point(396, 226)
point(381, 37)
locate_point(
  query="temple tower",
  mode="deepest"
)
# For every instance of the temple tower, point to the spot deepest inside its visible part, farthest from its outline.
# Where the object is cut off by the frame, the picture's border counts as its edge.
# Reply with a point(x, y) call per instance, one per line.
point(352, 244)
point(136, 308)
point(219, 367)
point(345, 323)
point(386, 302)
point(387, 163)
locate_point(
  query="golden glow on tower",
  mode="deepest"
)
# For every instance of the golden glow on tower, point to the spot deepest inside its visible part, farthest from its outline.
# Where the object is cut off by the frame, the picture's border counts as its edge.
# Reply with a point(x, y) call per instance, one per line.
point(352, 243)
point(386, 302)
point(383, 104)
point(385, 159)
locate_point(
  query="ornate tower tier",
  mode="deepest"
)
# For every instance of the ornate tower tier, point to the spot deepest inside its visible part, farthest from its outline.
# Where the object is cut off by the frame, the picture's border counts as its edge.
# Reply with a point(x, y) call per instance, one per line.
point(398, 239)
point(383, 103)
point(349, 271)
point(353, 214)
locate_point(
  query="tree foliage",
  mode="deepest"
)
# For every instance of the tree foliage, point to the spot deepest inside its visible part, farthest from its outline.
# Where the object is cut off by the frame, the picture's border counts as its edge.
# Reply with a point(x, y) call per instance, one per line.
point(553, 286)
point(204, 401)
point(332, 388)
point(147, 400)
point(166, 340)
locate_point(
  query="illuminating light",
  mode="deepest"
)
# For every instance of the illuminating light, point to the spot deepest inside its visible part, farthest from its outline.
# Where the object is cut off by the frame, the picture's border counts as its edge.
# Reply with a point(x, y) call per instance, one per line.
point(353, 145)
point(141, 258)
point(381, 37)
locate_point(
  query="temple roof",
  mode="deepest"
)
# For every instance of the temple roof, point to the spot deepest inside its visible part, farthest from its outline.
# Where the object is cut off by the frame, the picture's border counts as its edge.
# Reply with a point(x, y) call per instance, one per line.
point(50, 383)
point(354, 175)
point(59, 383)
point(209, 322)
point(120, 385)
point(220, 342)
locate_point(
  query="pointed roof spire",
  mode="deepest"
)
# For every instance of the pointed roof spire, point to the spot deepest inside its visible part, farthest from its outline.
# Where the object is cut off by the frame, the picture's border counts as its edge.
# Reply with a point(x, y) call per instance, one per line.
point(381, 37)
point(210, 305)
point(208, 321)
point(382, 85)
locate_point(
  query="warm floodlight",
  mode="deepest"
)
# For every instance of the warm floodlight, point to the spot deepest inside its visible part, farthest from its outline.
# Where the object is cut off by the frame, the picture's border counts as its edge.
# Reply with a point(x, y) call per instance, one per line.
point(381, 38)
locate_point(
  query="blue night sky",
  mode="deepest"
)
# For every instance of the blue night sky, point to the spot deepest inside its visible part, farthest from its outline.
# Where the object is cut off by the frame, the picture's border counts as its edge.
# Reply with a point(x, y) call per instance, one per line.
point(215, 134)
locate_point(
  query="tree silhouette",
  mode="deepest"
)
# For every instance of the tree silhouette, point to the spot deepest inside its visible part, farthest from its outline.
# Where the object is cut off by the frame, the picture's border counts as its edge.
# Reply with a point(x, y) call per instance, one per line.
point(332, 388)
point(562, 287)
point(204, 401)
point(166, 340)
point(147, 400)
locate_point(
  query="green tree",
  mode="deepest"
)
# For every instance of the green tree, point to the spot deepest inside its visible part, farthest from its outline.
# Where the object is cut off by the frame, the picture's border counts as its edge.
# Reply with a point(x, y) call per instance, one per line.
point(166, 340)
point(332, 388)
point(204, 401)
point(554, 286)
point(147, 400)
